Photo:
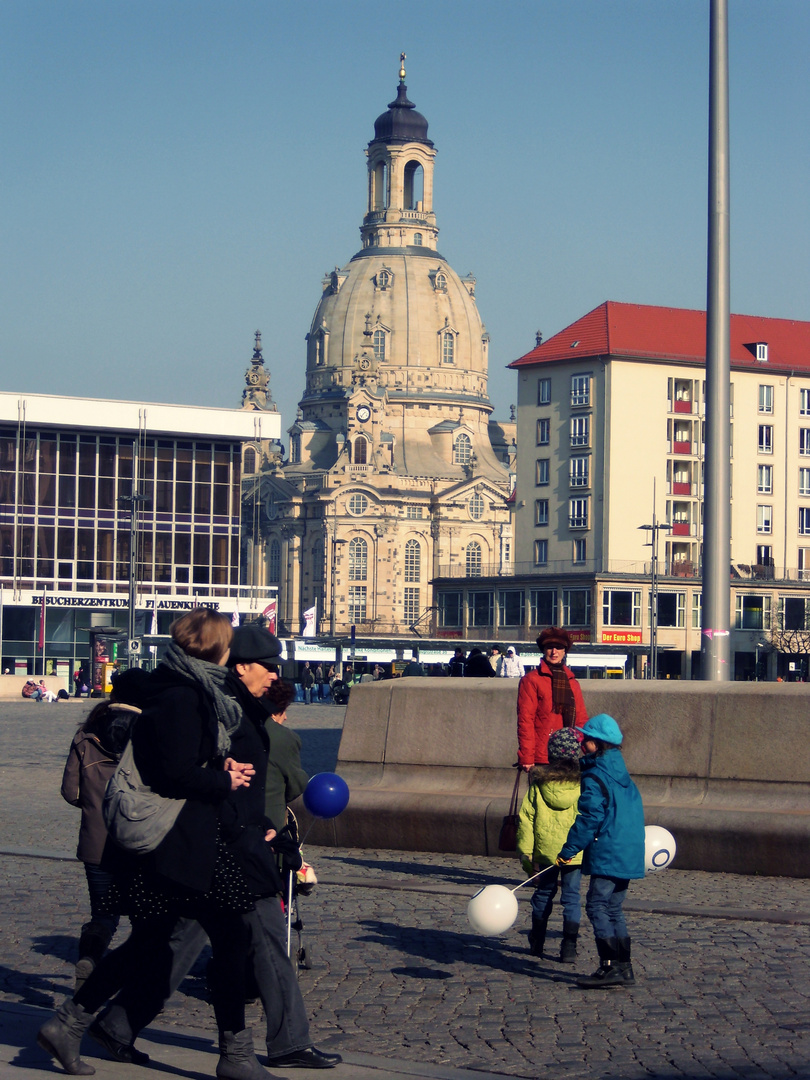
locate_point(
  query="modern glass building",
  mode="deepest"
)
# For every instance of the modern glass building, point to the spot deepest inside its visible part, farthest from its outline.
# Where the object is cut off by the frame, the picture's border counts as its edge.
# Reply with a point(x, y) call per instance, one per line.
point(94, 493)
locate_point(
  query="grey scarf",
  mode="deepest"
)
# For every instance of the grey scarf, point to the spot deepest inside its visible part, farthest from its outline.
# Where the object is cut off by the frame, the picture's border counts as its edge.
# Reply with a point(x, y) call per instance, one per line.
point(212, 679)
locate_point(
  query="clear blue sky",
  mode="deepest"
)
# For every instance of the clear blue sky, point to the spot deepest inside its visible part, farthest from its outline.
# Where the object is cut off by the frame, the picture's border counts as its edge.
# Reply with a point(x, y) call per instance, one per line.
point(176, 174)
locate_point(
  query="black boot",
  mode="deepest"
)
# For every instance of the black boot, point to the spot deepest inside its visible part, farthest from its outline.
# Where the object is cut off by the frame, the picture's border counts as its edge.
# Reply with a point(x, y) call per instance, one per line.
point(537, 936)
point(237, 1058)
point(608, 973)
point(623, 964)
point(95, 938)
point(568, 949)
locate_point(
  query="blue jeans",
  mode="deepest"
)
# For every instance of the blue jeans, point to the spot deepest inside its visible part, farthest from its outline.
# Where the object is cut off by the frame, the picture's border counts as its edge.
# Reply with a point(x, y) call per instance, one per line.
point(604, 906)
point(570, 878)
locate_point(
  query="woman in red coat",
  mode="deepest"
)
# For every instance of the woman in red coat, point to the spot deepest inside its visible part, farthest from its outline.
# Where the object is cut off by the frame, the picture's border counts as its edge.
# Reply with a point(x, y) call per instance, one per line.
point(549, 698)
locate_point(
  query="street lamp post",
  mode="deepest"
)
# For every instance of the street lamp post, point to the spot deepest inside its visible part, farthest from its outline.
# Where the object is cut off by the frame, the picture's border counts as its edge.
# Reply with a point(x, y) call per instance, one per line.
point(332, 584)
point(132, 502)
point(654, 529)
point(757, 647)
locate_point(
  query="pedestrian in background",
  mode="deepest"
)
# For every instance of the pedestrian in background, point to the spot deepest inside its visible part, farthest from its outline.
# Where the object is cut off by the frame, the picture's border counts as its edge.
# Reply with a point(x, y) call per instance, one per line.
point(496, 659)
point(477, 666)
point(512, 665)
point(456, 665)
point(307, 682)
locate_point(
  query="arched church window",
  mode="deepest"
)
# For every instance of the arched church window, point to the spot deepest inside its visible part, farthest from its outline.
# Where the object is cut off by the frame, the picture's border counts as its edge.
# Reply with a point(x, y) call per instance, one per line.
point(417, 239)
point(358, 559)
point(414, 185)
point(317, 561)
point(274, 562)
point(472, 559)
point(360, 450)
point(250, 460)
point(358, 504)
point(295, 450)
point(413, 561)
point(440, 283)
point(384, 279)
point(378, 341)
point(448, 347)
point(476, 507)
point(462, 450)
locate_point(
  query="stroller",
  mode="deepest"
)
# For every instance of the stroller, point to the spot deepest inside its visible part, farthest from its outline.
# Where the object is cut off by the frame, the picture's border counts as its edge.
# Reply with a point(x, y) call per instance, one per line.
point(340, 692)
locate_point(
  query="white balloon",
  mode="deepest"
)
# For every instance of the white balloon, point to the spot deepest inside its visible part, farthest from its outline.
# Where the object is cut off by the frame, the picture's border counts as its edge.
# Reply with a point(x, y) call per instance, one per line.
point(659, 848)
point(492, 910)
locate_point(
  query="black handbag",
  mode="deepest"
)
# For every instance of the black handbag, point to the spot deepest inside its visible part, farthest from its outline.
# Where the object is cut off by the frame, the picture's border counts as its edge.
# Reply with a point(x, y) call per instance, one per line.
point(507, 840)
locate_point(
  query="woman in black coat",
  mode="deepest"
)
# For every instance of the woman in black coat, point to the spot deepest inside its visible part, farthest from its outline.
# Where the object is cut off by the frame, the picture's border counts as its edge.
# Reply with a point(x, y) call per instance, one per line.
point(181, 746)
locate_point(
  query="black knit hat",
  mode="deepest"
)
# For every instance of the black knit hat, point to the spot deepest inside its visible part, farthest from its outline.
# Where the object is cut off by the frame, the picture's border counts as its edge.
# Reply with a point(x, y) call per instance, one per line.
point(563, 745)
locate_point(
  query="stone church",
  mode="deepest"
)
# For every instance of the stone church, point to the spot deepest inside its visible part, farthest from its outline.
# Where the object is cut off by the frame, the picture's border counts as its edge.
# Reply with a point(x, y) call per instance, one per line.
point(396, 473)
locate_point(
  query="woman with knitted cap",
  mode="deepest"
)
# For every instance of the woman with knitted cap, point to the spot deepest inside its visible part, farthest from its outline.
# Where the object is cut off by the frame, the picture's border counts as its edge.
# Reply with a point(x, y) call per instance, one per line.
point(547, 814)
point(549, 698)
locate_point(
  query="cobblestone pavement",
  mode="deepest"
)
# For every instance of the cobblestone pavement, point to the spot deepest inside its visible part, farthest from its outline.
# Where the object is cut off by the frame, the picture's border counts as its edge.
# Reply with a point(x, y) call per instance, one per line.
point(722, 961)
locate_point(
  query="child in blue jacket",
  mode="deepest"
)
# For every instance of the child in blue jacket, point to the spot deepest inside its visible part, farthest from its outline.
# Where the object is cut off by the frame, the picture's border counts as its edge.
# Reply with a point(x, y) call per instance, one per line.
point(609, 830)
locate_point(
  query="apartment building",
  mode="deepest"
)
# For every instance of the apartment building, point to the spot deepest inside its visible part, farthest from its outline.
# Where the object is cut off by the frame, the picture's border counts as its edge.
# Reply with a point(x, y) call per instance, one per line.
point(611, 427)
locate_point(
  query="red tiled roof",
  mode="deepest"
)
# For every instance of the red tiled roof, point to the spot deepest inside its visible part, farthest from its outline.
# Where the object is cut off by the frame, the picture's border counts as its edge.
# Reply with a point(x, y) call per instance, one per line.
point(676, 335)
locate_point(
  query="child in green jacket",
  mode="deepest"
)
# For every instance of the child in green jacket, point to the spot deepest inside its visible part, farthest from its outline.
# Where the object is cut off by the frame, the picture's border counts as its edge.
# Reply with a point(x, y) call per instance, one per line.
point(547, 813)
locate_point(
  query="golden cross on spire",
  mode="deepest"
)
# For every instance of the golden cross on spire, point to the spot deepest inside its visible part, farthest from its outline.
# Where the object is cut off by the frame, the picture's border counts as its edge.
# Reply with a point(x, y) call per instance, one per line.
point(402, 59)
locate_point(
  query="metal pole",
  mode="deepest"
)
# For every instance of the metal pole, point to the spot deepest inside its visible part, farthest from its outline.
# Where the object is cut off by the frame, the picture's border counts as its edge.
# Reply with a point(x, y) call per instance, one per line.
point(654, 599)
point(715, 644)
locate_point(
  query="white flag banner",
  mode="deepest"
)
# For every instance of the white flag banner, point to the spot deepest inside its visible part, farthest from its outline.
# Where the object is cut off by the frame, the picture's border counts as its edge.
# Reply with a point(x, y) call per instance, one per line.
point(309, 617)
point(153, 628)
point(235, 618)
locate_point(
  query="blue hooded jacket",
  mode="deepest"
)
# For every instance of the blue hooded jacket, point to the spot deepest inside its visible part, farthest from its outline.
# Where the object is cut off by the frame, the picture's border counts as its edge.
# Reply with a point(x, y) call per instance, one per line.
point(609, 828)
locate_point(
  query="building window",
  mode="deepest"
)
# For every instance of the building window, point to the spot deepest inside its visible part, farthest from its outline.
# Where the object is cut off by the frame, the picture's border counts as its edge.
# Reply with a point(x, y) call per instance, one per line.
point(804, 521)
point(383, 279)
point(541, 511)
point(804, 481)
point(357, 603)
point(544, 391)
point(765, 479)
point(753, 612)
point(766, 399)
point(358, 504)
point(360, 451)
point(411, 608)
point(472, 559)
point(580, 550)
point(697, 610)
point(413, 513)
point(450, 609)
point(417, 239)
point(358, 559)
point(764, 556)
point(448, 347)
point(576, 607)
point(440, 283)
point(804, 402)
point(541, 472)
point(480, 609)
point(764, 519)
point(250, 460)
point(804, 441)
point(580, 431)
point(317, 561)
point(671, 609)
point(511, 607)
point(378, 343)
point(462, 450)
point(804, 564)
point(578, 513)
point(540, 552)
point(295, 450)
point(543, 431)
point(475, 507)
point(793, 613)
point(621, 607)
point(765, 439)
point(580, 390)
point(274, 562)
point(580, 468)
point(413, 561)
point(543, 607)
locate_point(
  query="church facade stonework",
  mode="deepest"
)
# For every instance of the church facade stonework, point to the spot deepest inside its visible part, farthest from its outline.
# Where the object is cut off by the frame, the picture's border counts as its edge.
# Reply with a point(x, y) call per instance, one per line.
point(395, 472)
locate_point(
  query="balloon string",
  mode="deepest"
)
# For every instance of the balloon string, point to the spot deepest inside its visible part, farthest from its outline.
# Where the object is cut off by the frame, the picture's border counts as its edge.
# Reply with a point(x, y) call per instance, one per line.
point(538, 874)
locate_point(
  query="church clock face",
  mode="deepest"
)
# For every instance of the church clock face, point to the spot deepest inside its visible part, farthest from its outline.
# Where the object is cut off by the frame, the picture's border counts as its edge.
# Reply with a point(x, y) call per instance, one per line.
point(363, 413)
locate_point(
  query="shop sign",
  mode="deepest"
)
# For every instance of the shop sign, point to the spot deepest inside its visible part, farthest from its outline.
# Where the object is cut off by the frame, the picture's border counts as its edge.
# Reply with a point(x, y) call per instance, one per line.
point(621, 637)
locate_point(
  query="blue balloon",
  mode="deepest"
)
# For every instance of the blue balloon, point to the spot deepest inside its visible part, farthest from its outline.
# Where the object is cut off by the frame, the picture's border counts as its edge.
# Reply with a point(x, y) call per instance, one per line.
point(326, 795)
